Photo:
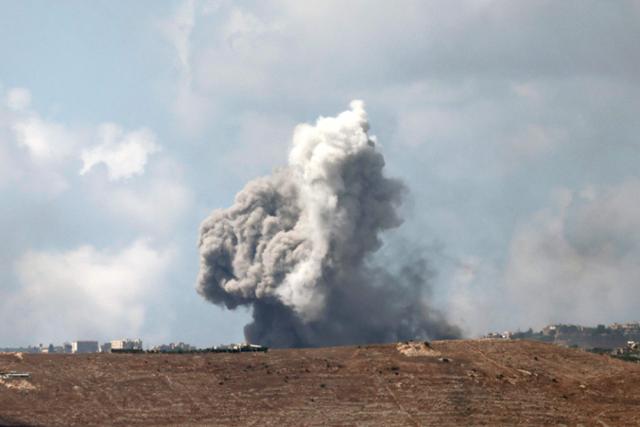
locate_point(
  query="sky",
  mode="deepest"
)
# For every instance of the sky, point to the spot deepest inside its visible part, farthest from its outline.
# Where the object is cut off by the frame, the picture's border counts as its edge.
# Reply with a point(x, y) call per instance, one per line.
point(124, 124)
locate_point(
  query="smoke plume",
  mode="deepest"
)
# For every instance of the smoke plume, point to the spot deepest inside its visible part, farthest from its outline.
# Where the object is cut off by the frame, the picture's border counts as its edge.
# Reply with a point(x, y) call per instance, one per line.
point(297, 247)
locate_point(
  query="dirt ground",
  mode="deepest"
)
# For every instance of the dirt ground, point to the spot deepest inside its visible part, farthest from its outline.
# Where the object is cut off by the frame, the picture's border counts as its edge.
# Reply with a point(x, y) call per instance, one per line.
point(486, 382)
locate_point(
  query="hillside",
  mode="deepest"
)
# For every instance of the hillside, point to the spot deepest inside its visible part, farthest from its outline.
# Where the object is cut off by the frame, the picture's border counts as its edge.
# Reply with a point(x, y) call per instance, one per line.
point(488, 382)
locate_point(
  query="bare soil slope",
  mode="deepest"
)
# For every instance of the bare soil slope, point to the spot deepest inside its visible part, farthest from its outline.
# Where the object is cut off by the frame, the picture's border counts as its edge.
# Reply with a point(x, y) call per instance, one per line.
point(450, 383)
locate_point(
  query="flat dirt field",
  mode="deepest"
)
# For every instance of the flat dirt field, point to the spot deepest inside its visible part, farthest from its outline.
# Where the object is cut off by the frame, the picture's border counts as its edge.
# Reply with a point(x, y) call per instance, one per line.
point(486, 382)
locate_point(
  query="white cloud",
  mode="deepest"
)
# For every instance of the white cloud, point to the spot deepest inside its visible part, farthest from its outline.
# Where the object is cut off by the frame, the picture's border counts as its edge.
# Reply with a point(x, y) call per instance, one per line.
point(18, 99)
point(46, 141)
point(84, 293)
point(37, 150)
point(243, 30)
point(124, 154)
point(50, 148)
point(576, 261)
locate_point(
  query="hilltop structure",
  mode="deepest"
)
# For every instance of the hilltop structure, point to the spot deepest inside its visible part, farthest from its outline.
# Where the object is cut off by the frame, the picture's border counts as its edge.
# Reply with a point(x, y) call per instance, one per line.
point(84, 347)
point(610, 337)
point(126, 344)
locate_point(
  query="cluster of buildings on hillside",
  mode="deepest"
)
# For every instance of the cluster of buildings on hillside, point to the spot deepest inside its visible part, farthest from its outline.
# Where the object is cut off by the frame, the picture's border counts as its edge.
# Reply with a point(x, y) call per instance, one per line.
point(631, 349)
point(82, 346)
point(611, 337)
point(133, 346)
point(173, 348)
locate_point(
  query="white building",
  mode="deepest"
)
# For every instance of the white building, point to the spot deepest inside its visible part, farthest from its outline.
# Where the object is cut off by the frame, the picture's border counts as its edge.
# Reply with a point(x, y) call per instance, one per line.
point(84, 347)
point(126, 344)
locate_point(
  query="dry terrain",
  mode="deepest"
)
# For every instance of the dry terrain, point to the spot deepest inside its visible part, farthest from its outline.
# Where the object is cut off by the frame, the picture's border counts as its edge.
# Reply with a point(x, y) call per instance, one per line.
point(487, 382)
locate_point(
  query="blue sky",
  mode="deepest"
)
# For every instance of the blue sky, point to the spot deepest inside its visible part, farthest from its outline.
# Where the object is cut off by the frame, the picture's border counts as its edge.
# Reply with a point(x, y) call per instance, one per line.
point(122, 125)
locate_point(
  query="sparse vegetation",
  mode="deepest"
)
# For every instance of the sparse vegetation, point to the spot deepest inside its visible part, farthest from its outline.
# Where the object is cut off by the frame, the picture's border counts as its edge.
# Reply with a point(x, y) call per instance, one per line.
point(484, 382)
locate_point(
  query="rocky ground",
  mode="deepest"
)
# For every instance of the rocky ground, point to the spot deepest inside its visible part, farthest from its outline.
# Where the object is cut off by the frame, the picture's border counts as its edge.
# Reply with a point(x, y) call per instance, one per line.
point(486, 382)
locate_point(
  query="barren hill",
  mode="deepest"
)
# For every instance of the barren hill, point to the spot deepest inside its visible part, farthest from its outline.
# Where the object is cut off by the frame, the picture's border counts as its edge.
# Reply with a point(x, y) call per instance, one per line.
point(450, 383)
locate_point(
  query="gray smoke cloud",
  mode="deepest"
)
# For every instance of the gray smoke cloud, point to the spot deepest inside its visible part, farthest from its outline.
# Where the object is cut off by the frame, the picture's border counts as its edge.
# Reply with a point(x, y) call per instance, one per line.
point(297, 247)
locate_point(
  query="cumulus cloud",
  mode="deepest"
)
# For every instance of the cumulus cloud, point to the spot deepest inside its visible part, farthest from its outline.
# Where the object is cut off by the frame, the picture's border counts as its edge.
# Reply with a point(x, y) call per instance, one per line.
point(46, 141)
point(572, 261)
point(41, 153)
point(278, 48)
point(83, 293)
point(88, 291)
point(36, 151)
point(48, 149)
point(123, 153)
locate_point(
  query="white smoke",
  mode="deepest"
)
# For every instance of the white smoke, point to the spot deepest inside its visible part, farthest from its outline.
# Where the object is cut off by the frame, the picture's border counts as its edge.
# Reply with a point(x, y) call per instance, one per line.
point(295, 245)
point(317, 158)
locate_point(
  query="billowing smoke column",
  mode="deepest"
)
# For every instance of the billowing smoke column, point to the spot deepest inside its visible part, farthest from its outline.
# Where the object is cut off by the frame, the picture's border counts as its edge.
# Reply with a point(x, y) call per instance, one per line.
point(296, 246)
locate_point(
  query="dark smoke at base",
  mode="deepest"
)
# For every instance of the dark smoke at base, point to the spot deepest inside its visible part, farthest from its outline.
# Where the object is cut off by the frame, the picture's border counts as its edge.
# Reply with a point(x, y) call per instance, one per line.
point(382, 309)
point(297, 246)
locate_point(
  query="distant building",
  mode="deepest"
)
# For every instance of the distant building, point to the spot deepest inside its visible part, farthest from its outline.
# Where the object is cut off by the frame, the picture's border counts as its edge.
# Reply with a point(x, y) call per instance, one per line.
point(105, 348)
point(84, 347)
point(28, 349)
point(498, 335)
point(173, 348)
point(614, 336)
point(126, 344)
point(239, 348)
point(549, 330)
point(51, 349)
